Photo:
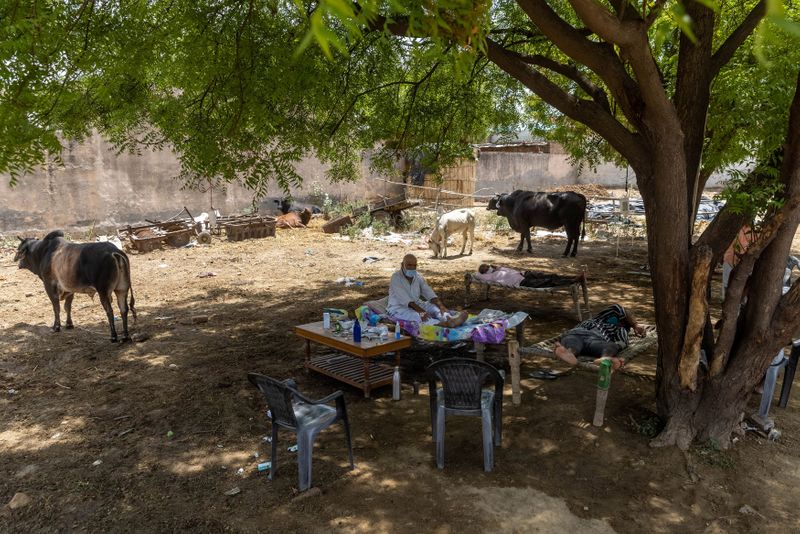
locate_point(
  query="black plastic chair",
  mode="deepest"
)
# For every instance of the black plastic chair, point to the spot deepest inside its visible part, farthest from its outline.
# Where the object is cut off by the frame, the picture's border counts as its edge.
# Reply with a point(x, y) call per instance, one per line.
point(462, 393)
point(293, 411)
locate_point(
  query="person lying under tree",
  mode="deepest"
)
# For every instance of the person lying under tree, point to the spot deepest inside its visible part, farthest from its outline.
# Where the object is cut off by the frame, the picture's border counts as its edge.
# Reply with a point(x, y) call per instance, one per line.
point(601, 337)
point(512, 277)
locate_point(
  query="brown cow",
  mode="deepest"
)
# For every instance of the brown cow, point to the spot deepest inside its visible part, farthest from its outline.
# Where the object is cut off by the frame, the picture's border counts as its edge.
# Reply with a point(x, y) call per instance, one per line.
point(294, 219)
point(68, 268)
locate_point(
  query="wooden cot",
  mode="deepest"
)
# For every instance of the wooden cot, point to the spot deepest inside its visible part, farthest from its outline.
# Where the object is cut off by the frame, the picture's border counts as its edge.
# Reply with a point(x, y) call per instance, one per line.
point(573, 289)
point(636, 346)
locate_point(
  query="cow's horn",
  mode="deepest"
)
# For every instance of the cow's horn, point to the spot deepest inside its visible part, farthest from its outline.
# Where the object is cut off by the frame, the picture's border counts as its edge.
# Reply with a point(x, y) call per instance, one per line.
point(21, 240)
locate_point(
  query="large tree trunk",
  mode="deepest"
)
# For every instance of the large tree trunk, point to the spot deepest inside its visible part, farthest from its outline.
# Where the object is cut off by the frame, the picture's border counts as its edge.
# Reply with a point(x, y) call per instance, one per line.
point(714, 409)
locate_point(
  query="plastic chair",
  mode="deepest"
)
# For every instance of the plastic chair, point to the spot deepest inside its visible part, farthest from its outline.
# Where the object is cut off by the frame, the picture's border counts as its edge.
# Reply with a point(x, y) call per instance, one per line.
point(293, 411)
point(462, 393)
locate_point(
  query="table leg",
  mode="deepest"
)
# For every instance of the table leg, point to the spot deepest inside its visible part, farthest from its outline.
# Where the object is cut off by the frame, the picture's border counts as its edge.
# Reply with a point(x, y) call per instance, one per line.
point(366, 378)
point(308, 353)
point(467, 284)
point(514, 363)
point(479, 350)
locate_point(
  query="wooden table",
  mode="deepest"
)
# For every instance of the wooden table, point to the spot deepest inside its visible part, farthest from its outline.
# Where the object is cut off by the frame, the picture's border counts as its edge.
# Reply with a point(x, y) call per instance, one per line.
point(356, 367)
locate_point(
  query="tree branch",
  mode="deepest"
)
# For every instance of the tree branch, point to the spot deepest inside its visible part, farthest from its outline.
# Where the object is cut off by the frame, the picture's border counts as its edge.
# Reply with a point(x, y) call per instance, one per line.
point(725, 52)
point(585, 111)
point(651, 17)
point(571, 72)
point(787, 320)
point(770, 267)
point(631, 37)
point(599, 57)
point(738, 281)
point(364, 93)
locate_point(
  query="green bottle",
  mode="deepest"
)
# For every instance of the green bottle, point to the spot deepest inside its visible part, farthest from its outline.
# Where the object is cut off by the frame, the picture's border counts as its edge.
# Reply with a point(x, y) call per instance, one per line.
point(604, 376)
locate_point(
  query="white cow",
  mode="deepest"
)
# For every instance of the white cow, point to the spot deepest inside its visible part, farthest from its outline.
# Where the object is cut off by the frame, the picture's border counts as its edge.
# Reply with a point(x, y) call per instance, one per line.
point(450, 223)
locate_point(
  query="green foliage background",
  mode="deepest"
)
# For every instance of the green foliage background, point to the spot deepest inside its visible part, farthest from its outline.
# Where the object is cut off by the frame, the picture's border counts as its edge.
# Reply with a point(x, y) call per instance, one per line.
point(242, 90)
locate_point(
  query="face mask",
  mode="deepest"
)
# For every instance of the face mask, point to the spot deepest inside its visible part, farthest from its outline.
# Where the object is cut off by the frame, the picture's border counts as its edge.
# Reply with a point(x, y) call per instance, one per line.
point(411, 273)
point(489, 270)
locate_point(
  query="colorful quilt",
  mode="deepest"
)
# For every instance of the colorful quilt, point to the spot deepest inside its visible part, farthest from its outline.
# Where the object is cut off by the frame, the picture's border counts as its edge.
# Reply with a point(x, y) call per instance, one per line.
point(489, 326)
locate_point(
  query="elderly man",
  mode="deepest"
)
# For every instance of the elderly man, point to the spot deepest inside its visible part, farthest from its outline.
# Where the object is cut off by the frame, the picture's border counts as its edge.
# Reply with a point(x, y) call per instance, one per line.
point(601, 337)
point(412, 299)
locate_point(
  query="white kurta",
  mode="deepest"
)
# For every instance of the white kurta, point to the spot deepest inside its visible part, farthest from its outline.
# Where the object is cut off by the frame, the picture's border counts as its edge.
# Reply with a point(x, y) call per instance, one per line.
point(402, 293)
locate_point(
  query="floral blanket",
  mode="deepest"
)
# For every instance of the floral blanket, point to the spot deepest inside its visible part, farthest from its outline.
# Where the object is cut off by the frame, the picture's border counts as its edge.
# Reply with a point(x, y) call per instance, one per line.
point(489, 326)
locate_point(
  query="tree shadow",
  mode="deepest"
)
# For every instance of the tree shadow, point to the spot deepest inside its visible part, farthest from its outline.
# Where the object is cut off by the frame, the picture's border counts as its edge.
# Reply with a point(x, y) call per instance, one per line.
point(173, 418)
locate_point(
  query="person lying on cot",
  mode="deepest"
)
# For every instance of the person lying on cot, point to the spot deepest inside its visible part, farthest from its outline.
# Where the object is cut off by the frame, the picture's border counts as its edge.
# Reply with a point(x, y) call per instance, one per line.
point(601, 337)
point(515, 278)
point(412, 299)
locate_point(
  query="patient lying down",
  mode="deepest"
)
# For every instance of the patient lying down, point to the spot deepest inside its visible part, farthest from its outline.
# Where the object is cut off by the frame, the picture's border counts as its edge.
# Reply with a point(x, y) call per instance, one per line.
point(515, 278)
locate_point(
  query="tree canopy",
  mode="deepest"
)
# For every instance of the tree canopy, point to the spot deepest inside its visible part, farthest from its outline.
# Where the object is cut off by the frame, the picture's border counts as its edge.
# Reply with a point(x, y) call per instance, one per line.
point(240, 90)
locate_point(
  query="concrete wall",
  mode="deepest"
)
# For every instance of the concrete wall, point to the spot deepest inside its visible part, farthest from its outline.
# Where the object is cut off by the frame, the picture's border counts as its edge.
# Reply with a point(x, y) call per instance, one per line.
point(97, 187)
point(506, 171)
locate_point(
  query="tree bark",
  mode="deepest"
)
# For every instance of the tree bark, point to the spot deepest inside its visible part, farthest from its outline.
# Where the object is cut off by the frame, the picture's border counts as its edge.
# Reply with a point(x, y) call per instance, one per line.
point(698, 310)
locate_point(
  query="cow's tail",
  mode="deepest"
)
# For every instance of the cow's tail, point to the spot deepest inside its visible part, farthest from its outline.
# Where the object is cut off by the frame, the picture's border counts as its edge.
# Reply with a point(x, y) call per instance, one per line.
point(125, 264)
point(585, 215)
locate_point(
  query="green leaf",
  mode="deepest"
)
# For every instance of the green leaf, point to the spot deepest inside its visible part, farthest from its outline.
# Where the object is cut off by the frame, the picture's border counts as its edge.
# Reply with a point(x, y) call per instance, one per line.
point(682, 20)
point(662, 31)
point(789, 26)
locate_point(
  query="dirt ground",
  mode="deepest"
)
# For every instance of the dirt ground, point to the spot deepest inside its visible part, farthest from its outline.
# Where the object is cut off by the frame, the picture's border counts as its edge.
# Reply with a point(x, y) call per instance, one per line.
point(149, 436)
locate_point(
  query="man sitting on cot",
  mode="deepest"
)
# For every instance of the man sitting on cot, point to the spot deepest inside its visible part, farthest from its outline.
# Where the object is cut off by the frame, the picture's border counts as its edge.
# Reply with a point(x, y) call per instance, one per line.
point(601, 337)
point(412, 299)
point(515, 278)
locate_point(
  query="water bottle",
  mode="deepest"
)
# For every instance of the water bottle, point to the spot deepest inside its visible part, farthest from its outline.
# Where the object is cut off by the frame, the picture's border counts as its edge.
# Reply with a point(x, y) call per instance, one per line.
point(397, 333)
point(603, 383)
point(604, 374)
point(326, 321)
point(396, 384)
point(357, 332)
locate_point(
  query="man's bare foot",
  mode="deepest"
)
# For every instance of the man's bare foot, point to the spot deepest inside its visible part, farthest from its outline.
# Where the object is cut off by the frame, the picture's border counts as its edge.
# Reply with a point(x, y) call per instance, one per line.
point(616, 363)
point(456, 321)
point(565, 354)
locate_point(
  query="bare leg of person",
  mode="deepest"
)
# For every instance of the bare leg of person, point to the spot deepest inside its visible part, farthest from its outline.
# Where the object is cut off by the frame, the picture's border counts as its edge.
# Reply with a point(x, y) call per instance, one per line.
point(565, 354)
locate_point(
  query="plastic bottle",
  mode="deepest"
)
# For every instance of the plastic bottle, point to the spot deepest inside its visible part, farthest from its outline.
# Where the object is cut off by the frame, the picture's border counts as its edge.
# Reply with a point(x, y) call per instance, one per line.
point(396, 384)
point(326, 321)
point(357, 332)
point(604, 375)
point(603, 383)
point(397, 332)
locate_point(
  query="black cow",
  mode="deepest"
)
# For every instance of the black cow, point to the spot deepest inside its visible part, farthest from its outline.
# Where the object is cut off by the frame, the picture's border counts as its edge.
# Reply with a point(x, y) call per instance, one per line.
point(526, 209)
point(68, 268)
point(285, 205)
